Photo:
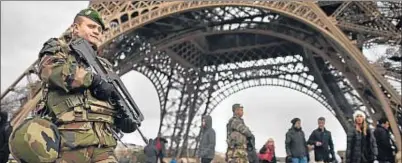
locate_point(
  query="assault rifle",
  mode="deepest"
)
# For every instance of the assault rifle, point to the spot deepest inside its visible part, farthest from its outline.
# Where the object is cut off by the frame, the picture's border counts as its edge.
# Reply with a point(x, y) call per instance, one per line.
point(251, 143)
point(251, 153)
point(126, 105)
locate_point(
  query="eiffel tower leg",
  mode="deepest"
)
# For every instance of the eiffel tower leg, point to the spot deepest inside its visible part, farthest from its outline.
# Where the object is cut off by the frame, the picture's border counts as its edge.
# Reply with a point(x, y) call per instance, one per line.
point(318, 72)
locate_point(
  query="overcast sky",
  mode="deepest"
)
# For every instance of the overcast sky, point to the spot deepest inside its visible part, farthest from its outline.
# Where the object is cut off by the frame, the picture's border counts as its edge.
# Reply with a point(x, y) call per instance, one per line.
point(25, 26)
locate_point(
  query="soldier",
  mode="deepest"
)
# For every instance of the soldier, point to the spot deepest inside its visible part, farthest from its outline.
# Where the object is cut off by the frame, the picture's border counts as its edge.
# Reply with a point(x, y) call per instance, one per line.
point(77, 101)
point(238, 134)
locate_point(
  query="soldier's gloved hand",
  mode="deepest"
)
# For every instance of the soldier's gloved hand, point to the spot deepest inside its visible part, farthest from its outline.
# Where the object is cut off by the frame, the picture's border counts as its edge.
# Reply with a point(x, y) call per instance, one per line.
point(126, 125)
point(101, 89)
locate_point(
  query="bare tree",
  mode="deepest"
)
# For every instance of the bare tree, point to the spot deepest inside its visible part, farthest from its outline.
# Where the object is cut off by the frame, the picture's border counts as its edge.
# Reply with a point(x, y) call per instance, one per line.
point(14, 100)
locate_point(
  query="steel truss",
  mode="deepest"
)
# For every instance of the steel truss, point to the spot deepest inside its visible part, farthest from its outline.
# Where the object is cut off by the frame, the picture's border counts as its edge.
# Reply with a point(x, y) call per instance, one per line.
point(199, 53)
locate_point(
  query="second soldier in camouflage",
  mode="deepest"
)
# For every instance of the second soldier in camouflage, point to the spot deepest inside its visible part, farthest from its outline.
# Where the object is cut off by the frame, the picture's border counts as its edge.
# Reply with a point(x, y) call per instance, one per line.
point(238, 135)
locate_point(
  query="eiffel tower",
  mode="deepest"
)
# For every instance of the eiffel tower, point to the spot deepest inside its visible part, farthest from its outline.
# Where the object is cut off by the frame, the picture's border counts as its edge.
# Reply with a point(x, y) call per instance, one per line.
point(197, 53)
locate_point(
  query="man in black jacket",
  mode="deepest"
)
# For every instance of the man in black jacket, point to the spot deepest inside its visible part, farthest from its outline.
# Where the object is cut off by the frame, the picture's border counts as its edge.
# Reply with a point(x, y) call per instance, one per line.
point(5, 131)
point(383, 139)
point(321, 139)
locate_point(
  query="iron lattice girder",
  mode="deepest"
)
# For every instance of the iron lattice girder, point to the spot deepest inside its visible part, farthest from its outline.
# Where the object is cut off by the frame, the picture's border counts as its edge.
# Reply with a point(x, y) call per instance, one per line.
point(370, 9)
point(305, 39)
point(174, 6)
point(232, 86)
point(227, 70)
point(343, 109)
point(309, 38)
point(304, 11)
point(181, 101)
point(165, 71)
point(177, 38)
point(365, 19)
point(273, 5)
point(171, 34)
point(277, 5)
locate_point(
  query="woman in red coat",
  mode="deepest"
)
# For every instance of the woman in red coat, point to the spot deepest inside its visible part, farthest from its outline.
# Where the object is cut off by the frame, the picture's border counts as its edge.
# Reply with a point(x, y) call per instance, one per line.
point(267, 152)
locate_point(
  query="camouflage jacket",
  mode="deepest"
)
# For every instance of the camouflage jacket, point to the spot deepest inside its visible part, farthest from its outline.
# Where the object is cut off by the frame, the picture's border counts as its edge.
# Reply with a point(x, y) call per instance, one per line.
point(237, 133)
point(82, 119)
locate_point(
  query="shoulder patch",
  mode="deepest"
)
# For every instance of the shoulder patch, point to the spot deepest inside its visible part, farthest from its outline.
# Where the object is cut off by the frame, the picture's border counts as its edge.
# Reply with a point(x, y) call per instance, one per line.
point(50, 46)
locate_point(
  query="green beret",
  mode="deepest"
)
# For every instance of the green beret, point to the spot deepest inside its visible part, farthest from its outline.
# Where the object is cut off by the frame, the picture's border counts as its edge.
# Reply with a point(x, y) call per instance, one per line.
point(236, 106)
point(93, 15)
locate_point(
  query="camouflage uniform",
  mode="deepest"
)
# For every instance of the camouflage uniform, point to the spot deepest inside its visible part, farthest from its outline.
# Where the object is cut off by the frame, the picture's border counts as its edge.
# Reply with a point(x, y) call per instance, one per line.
point(84, 122)
point(237, 137)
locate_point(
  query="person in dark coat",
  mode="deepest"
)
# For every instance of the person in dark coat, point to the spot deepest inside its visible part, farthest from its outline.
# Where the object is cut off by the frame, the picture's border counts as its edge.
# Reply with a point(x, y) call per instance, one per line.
point(208, 141)
point(151, 152)
point(267, 152)
point(295, 143)
point(384, 145)
point(321, 139)
point(5, 132)
point(361, 143)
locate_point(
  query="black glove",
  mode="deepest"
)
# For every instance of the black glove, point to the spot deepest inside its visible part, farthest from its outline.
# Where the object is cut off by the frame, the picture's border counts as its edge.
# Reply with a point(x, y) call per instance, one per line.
point(101, 89)
point(126, 125)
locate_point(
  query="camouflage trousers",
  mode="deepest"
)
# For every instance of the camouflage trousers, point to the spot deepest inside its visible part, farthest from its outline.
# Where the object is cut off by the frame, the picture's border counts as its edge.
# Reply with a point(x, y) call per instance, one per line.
point(91, 154)
point(237, 155)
